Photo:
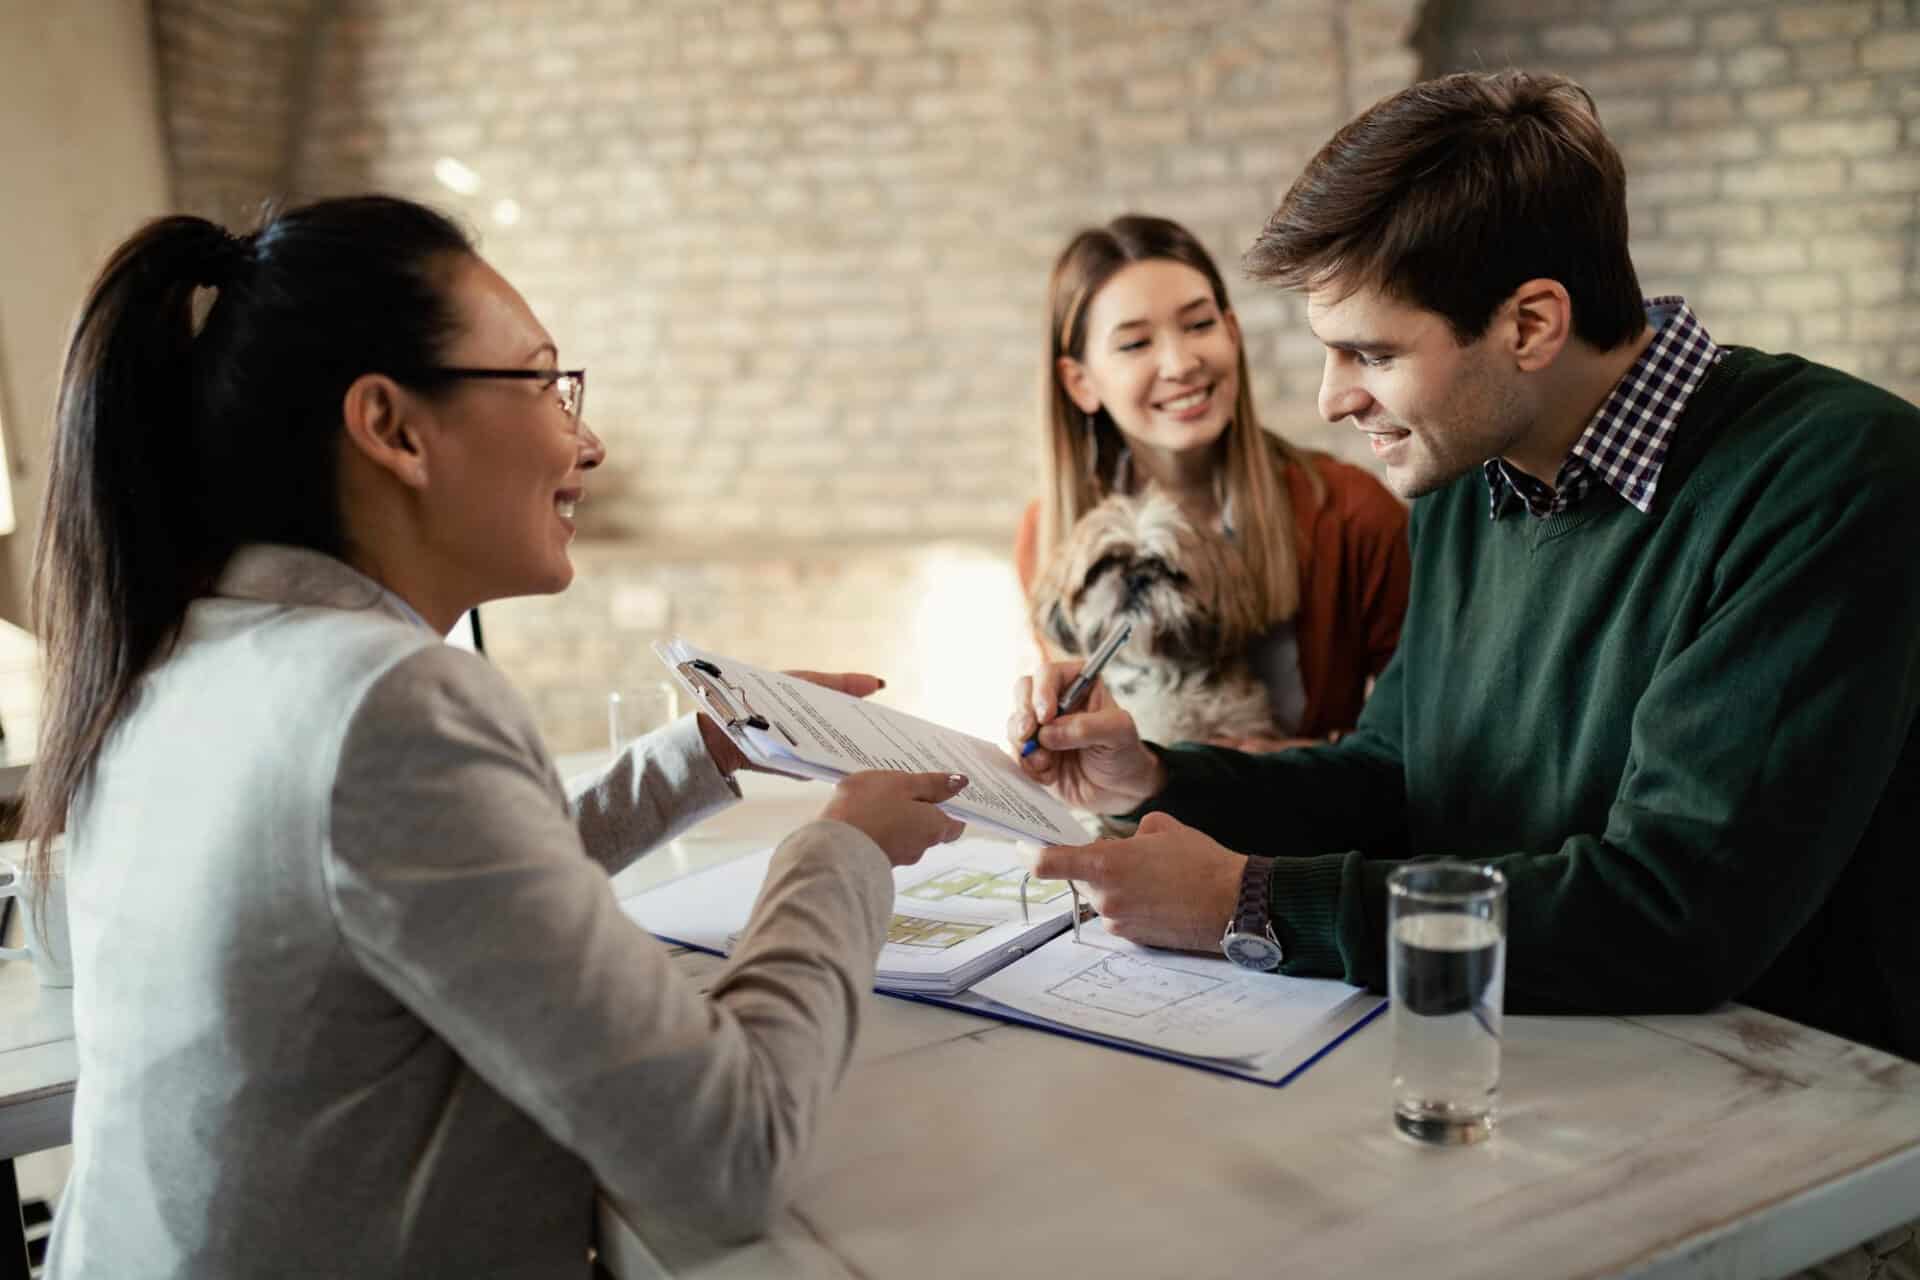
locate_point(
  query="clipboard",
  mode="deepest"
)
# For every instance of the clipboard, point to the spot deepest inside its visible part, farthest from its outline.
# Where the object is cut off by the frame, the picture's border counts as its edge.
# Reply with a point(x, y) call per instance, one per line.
point(787, 725)
point(727, 702)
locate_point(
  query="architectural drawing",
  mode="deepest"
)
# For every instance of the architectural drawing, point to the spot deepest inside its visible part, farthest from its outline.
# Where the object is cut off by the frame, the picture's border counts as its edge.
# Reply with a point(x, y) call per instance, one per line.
point(931, 935)
point(1131, 987)
point(991, 886)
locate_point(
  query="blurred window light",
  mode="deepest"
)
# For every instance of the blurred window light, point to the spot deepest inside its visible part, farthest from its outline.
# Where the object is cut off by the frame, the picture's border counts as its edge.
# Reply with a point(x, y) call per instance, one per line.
point(454, 176)
point(968, 640)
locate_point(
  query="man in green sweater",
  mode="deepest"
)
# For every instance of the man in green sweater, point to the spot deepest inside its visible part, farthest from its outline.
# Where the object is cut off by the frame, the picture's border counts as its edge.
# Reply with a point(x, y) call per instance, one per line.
point(1661, 664)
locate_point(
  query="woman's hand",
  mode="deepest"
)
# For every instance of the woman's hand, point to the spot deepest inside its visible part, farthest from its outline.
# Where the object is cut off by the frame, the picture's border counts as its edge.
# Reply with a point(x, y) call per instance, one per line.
point(896, 810)
point(729, 759)
point(1092, 758)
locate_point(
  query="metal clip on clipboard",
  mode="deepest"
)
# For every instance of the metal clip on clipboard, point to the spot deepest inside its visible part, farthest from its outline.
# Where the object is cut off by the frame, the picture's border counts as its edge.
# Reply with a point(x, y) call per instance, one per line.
point(728, 702)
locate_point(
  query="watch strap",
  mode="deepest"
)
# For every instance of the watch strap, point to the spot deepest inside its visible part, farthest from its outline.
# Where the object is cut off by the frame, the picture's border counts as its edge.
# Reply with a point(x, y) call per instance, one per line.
point(1254, 913)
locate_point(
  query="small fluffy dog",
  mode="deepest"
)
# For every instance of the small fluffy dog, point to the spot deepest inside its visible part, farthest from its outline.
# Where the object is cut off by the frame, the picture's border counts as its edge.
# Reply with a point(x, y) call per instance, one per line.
point(1183, 673)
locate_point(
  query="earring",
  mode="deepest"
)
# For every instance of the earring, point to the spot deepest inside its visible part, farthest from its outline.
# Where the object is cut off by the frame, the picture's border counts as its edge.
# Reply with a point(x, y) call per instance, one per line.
point(1093, 450)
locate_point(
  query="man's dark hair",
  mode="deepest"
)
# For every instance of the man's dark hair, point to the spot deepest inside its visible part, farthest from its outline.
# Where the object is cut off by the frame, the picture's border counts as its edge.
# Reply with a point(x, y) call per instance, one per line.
point(1453, 192)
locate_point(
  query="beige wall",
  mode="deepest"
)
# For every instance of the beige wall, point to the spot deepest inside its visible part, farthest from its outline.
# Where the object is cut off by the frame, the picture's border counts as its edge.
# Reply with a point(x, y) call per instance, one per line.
point(84, 165)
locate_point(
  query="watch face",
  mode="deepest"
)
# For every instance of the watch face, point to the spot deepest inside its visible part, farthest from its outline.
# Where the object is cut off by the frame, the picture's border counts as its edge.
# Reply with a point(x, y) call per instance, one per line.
point(1251, 951)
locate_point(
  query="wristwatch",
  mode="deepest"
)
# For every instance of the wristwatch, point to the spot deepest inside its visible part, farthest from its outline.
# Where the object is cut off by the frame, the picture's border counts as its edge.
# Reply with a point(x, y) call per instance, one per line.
point(1249, 940)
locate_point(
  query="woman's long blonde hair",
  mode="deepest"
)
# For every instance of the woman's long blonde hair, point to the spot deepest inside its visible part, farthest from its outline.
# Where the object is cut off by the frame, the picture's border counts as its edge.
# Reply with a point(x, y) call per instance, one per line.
point(1082, 452)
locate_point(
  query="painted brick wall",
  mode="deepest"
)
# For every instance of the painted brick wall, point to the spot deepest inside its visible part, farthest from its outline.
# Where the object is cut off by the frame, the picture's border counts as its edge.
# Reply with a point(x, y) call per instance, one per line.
point(1773, 156)
point(233, 75)
point(802, 246)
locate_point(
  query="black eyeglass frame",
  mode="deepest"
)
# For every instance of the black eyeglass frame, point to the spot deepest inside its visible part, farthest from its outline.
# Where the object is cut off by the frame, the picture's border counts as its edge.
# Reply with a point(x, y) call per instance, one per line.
point(453, 372)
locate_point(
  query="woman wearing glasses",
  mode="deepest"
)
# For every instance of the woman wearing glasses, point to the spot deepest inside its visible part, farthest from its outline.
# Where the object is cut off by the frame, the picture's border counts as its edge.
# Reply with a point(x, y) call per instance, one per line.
point(353, 996)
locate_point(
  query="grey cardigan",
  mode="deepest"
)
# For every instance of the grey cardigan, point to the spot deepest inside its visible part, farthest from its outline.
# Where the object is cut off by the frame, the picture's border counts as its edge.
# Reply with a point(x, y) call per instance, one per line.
point(353, 996)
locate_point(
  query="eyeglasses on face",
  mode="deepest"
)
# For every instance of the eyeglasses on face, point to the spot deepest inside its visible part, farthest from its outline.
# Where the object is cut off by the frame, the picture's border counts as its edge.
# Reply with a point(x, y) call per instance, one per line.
point(570, 385)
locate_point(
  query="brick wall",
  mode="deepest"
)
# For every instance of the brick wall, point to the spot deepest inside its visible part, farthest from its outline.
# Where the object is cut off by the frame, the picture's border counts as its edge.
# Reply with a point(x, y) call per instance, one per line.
point(802, 244)
point(802, 247)
point(1773, 156)
point(234, 75)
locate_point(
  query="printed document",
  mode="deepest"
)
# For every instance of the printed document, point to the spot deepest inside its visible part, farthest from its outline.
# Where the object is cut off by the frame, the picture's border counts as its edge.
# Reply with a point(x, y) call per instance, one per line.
point(786, 723)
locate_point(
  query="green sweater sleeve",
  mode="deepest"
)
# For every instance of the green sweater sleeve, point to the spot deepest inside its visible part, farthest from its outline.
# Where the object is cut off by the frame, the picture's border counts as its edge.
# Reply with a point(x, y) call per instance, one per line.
point(1350, 794)
point(1759, 753)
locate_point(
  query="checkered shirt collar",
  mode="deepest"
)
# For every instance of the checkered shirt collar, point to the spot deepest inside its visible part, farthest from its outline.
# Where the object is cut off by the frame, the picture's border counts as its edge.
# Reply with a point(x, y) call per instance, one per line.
point(1625, 446)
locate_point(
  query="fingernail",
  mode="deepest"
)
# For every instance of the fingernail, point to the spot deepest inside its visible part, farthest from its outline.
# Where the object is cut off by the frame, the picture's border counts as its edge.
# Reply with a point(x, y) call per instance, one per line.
point(882, 680)
point(956, 779)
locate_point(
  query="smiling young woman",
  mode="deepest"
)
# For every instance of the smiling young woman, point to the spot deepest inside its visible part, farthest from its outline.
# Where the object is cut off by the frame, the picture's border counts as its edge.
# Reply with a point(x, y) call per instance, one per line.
point(1146, 383)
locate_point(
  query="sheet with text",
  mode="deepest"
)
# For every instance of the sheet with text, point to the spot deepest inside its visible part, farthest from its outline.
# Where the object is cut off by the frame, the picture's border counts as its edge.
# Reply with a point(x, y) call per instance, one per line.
point(789, 724)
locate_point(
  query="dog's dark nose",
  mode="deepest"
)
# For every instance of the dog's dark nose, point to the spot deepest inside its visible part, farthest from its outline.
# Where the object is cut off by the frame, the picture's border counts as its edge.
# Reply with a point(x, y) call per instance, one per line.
point(1138, 582)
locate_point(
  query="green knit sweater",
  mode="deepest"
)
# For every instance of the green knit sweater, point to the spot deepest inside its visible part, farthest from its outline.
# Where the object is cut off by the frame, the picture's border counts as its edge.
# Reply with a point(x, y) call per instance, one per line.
point(1687, 737)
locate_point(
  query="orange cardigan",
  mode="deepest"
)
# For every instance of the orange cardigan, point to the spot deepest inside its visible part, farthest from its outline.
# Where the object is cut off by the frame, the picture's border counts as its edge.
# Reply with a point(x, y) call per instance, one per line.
point(1354, 569)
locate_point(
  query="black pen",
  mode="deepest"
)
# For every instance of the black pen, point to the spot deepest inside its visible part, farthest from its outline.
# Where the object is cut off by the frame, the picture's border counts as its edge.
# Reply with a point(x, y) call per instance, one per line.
point(1077, 691)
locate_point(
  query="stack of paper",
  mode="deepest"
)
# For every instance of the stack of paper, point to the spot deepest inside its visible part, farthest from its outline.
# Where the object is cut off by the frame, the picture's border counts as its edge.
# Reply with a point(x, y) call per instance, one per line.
point(956, 914)
point(782, 722)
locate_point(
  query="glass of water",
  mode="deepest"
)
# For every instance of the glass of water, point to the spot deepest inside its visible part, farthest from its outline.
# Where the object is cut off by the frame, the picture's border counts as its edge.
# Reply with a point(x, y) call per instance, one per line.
point(639, 710)
point(1446, 975)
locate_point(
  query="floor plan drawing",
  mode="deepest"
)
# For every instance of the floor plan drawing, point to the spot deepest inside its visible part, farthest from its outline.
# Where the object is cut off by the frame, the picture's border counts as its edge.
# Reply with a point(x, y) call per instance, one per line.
point(1131, 987)
point(990, 886)
point(931, 935)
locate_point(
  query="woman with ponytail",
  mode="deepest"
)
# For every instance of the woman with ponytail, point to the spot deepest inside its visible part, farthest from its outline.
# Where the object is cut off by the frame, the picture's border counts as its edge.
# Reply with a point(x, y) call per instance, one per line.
point(352, 994)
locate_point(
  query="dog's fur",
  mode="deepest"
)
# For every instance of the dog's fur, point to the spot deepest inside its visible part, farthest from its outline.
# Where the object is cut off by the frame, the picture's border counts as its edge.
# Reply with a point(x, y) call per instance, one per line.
point(1183, 673)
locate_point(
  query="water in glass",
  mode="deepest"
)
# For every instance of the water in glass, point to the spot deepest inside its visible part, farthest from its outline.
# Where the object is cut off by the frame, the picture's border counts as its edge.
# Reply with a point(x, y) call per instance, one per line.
point(1446, 980)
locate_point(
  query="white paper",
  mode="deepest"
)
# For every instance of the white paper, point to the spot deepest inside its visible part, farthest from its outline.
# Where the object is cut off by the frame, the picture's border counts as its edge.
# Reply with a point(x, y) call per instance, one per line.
point(822, 733)
point(956, 912)
point(1196, 1006)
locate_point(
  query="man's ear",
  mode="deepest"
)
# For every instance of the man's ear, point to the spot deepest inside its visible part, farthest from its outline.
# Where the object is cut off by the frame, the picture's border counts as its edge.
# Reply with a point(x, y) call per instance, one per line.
point(1079, 387)
point(1541, 316)
point(378, 414)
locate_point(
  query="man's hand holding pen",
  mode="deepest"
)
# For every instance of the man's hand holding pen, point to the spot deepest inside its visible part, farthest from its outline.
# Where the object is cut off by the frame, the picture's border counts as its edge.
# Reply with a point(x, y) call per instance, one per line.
point(1168, 886)
point(1092, 758)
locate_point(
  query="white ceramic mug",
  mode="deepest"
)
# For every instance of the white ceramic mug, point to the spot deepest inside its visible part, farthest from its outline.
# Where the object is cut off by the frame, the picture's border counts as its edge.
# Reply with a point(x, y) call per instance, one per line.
point(45, 925)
